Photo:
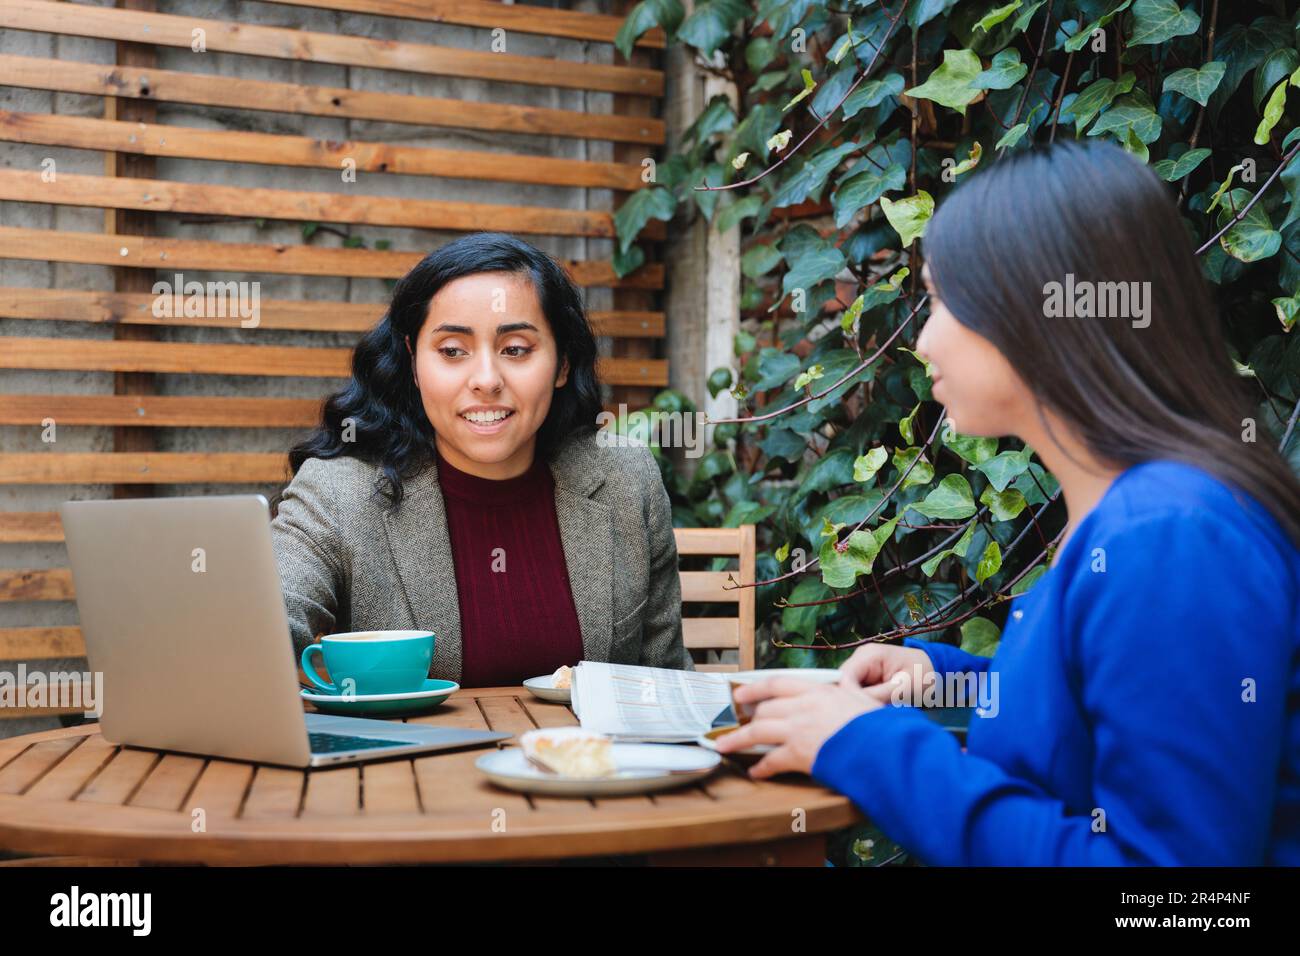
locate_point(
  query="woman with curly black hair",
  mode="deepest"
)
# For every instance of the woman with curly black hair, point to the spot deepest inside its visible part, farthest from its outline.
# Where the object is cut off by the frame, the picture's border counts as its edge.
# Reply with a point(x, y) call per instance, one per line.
point(457, 484)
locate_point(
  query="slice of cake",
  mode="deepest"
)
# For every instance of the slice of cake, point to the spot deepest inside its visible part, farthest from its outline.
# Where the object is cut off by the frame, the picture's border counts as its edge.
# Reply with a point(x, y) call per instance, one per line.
point(570, 751)
point(562, 679)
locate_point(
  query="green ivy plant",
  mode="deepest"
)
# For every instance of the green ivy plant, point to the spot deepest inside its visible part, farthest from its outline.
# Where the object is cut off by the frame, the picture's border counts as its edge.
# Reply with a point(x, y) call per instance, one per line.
point(877, 520)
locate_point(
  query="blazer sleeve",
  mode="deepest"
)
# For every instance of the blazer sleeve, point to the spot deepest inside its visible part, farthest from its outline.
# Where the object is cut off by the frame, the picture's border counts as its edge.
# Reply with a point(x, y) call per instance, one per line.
point(661, 643)
point(307, 552)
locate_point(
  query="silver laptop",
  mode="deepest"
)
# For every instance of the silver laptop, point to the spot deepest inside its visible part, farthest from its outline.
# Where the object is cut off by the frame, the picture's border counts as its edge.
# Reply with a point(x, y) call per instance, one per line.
point(183, 614)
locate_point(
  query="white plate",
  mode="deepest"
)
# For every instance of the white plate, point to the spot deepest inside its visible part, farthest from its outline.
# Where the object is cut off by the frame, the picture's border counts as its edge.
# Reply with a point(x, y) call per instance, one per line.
point(545, 688)
point(509, 768)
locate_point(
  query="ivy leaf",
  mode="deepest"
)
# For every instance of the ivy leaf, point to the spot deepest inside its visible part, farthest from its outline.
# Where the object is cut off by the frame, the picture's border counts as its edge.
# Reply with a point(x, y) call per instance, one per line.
point(959, 549)
point(1026, 15)
point(1223, 187)
point(1127, 113)
point(852, 314)
point(1243, 48)
point(1011, 136)
point(1272, 113)
point(628, 262)
point(1004, 72)
point(1196, 85)
point(1076, 42)
point(866, 466)
point(1279, 65)
point(809, 84)
point(1171, 170)
point(922, 474)
point(990, 564)
point(994, 17)
point(971, 448)
point(1155, 21)
point(711, 24)
point(775, 366)
point(873, 93)
point(1005, 467)
point(803, 620)
point(644, 17)
point(1254, 236)
point(760, 260)
point(1286, 311)
point(970, 162)
point(840, 569)
point(811, 176)
point(863, 189)
point(779, 141)
point(1003, 505)
point(812, 265)
point(909, 216)
point(950, 84)
point(1097, 97)
point(980, 636)
point(742, 209)
point(1028, 581)
point(951, 499)
point(639, 208)
point(905, 424)
point(808, 376)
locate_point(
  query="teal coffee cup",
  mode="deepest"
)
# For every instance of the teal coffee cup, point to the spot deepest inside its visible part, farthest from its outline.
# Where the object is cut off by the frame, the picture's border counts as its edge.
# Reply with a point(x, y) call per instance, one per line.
point(372, 662)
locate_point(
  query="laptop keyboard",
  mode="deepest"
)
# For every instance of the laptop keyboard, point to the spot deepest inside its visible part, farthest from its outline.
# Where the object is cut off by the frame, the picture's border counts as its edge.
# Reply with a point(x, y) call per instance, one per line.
point(323, 743)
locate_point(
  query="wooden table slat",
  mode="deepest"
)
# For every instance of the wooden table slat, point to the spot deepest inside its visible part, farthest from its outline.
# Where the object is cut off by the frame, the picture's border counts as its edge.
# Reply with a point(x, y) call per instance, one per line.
point(165, 788)
point(25, 769)
point(220, 790)
point(276, 794)
point(121, 777)
point(67, 778)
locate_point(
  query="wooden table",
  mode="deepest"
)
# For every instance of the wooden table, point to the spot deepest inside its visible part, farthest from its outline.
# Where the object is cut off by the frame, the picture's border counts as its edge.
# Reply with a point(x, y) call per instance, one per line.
point(69, 792)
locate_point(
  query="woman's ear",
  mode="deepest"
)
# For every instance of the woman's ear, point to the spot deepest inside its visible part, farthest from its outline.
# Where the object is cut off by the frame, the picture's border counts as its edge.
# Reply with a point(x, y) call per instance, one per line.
point(563, 376)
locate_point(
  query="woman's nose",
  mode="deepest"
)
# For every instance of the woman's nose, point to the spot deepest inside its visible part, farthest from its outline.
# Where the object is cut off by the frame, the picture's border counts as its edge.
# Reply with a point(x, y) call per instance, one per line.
point(486, 376)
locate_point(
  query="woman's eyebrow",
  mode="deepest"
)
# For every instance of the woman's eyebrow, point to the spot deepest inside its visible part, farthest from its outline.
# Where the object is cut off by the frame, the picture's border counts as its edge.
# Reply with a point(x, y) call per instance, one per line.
point(501, 329)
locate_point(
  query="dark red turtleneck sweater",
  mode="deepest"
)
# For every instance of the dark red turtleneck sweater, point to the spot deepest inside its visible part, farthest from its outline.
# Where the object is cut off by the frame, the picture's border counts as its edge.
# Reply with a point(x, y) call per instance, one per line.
point(517, 616)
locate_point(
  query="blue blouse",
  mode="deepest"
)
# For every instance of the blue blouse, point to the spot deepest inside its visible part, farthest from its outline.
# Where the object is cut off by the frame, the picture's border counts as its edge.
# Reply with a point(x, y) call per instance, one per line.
point(1146, 705)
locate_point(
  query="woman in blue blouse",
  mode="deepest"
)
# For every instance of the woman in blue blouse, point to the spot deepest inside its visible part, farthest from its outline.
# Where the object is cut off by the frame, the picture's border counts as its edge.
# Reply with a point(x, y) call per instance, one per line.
point(1146, 700)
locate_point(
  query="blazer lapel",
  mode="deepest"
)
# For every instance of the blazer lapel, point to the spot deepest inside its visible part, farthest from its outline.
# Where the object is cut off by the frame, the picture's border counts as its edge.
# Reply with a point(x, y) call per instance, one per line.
point(587, 535)
point(421, 547)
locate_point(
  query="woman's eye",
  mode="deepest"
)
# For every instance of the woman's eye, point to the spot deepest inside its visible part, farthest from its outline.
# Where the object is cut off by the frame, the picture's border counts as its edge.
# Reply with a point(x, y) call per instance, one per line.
point(517, 351)
point(446, 349)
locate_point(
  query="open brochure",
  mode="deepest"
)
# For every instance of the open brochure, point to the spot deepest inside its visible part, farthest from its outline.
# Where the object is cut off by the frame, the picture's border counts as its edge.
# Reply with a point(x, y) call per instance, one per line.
point(632, 703)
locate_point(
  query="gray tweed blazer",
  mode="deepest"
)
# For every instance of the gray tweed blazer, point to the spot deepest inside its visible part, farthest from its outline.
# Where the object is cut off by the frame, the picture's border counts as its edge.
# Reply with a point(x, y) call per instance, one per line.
point(348, 562)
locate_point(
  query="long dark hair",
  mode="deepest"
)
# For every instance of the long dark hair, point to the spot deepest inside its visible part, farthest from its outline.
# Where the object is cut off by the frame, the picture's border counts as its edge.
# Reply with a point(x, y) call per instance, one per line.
point(382, 404)
point(1166, 390)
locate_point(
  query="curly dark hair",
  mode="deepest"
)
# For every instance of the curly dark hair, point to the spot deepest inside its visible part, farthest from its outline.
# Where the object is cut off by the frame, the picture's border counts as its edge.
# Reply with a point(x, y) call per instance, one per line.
point(382, 402)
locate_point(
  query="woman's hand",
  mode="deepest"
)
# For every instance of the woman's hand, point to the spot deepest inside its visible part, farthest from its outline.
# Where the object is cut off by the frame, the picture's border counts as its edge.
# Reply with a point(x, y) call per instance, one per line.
point(798, 716)
point(886, 669)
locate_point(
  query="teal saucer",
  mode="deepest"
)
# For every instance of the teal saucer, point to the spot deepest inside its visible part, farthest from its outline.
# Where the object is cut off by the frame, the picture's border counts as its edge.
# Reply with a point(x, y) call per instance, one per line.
point(433, 693)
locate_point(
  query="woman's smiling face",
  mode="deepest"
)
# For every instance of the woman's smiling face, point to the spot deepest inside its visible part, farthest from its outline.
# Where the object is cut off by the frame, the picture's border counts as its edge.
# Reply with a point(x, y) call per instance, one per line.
point(487, 366)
